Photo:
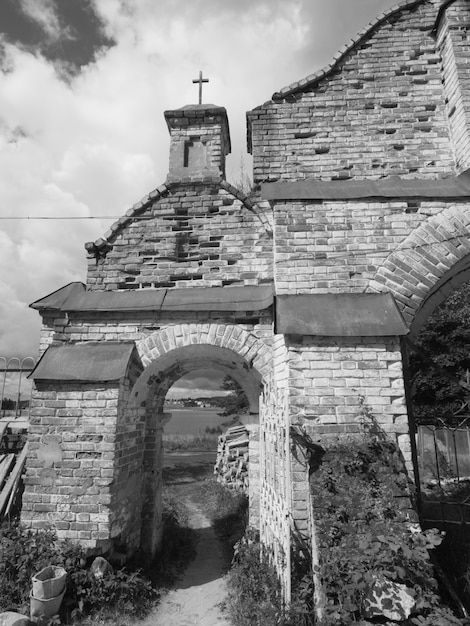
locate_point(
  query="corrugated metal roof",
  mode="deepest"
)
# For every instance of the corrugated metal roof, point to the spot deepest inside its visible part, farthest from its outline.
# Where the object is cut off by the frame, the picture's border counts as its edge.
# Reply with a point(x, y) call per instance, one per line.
point(458, 187)
point(252, 298)
point(88, 362)
point(339, 315)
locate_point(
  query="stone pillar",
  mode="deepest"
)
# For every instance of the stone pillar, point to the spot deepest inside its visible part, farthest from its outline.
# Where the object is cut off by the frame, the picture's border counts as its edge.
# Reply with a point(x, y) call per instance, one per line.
point(84, 467)
point(71, 455)
point(452, 40)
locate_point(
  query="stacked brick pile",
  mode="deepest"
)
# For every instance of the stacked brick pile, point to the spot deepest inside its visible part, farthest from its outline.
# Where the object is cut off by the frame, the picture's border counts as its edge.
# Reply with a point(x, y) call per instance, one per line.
point(231, 467)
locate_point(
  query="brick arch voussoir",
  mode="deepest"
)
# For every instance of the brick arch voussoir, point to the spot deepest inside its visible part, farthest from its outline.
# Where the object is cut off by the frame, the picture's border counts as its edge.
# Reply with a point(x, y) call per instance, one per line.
point(102, 245)
point(424, 258)
point(250, 205)
point(244, 343)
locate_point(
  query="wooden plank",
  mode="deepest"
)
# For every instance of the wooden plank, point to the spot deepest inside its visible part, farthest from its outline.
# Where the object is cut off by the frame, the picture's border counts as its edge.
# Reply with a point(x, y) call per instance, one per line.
point(5, 467)
point(3, 427)
point(14, 490)
point(12, 478)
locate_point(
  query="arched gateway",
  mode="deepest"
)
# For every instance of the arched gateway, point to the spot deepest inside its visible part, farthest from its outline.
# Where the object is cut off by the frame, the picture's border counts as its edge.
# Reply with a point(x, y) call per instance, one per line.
point(357, 228)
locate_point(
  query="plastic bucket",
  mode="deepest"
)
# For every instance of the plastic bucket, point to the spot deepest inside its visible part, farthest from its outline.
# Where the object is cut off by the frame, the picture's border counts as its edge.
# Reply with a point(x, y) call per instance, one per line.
point(49, 582)
point(48, 608)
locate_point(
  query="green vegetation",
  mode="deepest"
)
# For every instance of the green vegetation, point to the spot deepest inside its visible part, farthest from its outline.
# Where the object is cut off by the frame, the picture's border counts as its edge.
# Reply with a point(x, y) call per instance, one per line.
point(234, 402)
point(446, 339)
point(25, 552)
point(365, 536)
point(188, 443)
point(255, 596)
point(111, 600)
point(226, 509)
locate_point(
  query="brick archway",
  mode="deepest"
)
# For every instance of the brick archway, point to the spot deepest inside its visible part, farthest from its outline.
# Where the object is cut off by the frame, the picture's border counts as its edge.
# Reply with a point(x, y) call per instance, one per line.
point(167, 355)
point(428, 264)
point(254, 351)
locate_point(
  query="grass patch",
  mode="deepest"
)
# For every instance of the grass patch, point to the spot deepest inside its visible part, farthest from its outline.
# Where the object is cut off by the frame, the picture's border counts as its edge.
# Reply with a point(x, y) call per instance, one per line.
point(226, 509)
point(190, 443)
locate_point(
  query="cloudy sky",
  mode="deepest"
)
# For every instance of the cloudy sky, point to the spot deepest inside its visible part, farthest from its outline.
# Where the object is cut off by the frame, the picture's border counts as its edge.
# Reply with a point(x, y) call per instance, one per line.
point(83, 88)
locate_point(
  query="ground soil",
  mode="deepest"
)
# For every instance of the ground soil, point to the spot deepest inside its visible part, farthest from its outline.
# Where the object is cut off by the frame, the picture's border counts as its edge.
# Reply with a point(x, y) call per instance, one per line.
point(196, 597)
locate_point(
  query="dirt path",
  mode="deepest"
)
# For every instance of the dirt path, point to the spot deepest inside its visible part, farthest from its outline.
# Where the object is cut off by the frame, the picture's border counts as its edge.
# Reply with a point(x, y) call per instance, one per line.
point(197, 595)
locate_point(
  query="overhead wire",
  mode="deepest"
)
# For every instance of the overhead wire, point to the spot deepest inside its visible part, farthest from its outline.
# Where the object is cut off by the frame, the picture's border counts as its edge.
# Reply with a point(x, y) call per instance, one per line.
point(337, 254)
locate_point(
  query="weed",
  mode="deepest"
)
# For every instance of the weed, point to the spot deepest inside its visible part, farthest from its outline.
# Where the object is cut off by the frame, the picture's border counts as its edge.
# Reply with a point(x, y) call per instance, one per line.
point(254, 597)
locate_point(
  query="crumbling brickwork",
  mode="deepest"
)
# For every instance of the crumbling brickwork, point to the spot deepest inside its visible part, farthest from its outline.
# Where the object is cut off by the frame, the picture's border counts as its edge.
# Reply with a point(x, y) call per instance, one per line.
point(360, 188)
point(379, 110)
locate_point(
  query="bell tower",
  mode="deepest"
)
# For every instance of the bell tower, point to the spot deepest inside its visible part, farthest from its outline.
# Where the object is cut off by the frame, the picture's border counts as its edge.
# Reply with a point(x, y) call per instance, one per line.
point(200, 141)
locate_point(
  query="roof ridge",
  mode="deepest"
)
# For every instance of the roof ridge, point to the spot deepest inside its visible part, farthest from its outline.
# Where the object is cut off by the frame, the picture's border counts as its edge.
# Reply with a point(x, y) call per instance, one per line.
point(344, 50)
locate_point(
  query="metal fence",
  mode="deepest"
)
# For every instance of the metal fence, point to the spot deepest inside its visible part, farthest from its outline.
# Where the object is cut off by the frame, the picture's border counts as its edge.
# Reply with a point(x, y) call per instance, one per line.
point(444, 473)
point(15, 387)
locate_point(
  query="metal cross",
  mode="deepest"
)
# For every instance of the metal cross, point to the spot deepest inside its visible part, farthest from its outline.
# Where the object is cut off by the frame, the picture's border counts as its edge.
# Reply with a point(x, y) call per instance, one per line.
point(200, 80)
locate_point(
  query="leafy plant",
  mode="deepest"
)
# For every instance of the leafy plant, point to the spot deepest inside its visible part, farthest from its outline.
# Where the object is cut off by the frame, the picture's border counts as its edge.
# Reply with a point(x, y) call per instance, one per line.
point(24, 552)
point(254, 597)
point(445, 337)
point(365, 536)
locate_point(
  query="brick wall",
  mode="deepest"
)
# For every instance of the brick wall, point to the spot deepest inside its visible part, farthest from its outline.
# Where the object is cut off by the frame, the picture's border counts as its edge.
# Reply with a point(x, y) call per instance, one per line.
point(330, 376)
point(71, 459)
point(325, 247)
point(452, 39)
point(379, 110)
point(199, 142)
point(84, 462)
point(193, 236)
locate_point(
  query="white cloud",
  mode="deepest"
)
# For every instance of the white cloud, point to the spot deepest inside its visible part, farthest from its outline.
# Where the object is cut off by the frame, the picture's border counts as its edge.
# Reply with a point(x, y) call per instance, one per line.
point(202, 383)
point(44, 13)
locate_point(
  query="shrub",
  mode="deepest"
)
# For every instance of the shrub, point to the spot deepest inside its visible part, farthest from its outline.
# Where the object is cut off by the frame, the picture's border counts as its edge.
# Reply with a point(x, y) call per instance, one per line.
point(254, 597)
point(24, 552)
point(365, 536)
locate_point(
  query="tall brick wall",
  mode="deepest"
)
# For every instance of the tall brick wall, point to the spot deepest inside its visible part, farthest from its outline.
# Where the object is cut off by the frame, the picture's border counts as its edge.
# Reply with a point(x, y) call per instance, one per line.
point(328, 246)
point(379, 110)
point(392, 105)
point(452, 38)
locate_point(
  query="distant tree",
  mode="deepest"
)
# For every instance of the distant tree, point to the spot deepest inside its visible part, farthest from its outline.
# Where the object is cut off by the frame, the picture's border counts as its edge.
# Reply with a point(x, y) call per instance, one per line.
point(242, 180)
point(8, 404)
point(234, 402)
point(446, 338)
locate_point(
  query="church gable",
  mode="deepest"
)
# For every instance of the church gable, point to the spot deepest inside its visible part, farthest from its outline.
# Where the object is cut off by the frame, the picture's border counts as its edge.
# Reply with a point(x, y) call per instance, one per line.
point(193, 235)
point(379, 110)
